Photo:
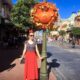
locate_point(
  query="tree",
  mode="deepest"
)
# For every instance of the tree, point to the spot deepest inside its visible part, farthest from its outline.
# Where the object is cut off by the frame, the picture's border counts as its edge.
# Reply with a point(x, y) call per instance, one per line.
point(62, 32)
point(20, 14)
point(75, 31)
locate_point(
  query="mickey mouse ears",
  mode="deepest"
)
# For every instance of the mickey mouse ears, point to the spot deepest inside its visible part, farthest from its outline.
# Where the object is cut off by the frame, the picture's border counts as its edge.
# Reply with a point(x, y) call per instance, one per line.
point(30, 31)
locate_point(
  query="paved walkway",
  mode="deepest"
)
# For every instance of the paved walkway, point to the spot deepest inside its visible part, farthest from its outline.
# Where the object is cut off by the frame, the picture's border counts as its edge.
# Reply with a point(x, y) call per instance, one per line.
point(10, 67)
point(15, 73)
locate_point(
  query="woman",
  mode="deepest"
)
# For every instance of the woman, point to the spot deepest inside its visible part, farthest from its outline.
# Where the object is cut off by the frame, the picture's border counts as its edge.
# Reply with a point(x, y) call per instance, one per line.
point(31, 54)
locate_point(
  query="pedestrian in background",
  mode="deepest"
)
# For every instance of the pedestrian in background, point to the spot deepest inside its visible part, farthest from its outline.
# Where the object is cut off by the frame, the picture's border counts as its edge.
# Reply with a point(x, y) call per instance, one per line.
point(73, 42)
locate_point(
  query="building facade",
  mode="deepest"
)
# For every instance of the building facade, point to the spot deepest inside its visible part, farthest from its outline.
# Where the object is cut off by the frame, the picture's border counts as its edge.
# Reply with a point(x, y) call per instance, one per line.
point(77, 20)
point(5, 9)
point(67, 24)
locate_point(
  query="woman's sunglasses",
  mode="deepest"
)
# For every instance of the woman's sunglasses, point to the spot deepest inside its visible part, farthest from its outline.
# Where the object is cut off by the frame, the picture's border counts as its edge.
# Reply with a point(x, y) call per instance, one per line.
point(32, 35)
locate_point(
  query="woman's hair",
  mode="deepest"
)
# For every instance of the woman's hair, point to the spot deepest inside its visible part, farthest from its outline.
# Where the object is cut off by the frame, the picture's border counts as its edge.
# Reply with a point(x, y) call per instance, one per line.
point(30, 31)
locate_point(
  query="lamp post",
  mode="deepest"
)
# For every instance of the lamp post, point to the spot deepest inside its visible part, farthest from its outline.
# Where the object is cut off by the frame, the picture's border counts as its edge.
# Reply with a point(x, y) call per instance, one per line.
point(43, 15)
point(43, 70)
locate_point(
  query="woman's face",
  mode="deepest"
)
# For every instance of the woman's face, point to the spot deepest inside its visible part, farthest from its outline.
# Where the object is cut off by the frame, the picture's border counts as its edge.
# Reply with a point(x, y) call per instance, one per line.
point(31, 36)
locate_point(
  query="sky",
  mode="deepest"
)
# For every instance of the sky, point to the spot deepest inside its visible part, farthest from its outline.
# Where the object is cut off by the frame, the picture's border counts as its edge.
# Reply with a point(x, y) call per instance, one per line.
point(66, 7)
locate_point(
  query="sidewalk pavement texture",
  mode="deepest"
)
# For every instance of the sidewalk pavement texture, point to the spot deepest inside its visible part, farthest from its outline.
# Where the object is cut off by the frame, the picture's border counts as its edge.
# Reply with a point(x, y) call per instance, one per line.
point(15, 73)
point(10, 68)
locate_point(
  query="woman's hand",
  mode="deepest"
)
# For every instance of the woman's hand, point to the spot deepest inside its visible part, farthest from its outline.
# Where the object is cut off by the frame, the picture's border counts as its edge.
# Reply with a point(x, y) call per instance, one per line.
point(20, 59)
point(42, 57)
point(39, 57)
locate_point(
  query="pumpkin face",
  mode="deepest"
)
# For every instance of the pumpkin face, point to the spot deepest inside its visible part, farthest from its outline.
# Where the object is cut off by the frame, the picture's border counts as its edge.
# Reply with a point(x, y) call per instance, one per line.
point(44, 14)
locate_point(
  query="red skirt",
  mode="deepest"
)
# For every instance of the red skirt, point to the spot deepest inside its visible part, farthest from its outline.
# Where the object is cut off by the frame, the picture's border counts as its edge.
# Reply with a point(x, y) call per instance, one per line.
point(31, 66)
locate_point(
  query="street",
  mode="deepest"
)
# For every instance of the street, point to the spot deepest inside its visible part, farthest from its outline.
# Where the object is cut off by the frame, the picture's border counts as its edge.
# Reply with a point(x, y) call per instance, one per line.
point(65, 62)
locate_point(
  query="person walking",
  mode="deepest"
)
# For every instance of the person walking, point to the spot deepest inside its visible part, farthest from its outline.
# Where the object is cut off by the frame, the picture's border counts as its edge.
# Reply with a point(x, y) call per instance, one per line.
point(73, 42)
point(31, 53)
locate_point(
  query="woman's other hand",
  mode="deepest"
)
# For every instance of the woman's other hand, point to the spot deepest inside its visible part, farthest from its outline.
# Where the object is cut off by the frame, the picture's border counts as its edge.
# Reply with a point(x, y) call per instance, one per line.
point(20, 59)
point(42, 57)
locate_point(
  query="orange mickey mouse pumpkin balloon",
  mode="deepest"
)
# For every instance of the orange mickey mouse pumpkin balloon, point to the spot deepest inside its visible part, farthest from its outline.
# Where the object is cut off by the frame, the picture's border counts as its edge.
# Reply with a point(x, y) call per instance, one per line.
point(44, 14)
